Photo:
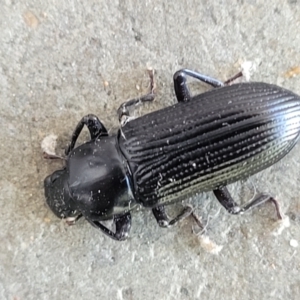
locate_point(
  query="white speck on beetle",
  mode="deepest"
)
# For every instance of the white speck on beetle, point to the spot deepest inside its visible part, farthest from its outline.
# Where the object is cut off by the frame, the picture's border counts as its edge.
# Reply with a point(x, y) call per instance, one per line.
point(159, 180)
point(207, 158)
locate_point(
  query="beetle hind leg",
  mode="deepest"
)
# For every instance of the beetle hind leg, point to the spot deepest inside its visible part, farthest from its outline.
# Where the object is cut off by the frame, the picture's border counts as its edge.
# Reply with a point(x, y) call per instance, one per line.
point(123, 110)
point(233, 78)
point(180, 83)
point(122, 223)
point(164, 221)
point(224, 197)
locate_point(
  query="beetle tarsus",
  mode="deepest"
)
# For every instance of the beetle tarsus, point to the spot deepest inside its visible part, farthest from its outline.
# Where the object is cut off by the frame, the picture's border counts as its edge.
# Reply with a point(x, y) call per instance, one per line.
point(51, 156)
point(198, 221)
point(262, 198)
point(123, 110)
point(162, 218)
point(233, 78)
point(224, 197)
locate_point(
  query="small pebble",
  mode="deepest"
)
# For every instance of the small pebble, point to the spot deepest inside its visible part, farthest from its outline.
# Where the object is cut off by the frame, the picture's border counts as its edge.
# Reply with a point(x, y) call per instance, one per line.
point(48, 144)
point(294, 243)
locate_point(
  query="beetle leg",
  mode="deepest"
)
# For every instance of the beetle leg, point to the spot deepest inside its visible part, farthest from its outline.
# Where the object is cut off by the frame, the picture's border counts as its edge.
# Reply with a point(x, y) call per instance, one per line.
point(162, 218)
point(233, 78)
point(72, 220)
point(232, 207)
point(122, 223)
point(94, 126)
point(123, 109)
point(180, 85)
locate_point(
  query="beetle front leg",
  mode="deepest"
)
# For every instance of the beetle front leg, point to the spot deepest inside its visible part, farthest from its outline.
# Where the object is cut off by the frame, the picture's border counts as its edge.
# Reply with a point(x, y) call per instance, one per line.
point(122, 223)
point(94, 126)
point(232, 207)
point(162, 218)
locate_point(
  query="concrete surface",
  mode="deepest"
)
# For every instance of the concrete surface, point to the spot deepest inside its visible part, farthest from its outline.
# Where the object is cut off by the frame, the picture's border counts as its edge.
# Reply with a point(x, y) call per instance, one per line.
point(63, 59)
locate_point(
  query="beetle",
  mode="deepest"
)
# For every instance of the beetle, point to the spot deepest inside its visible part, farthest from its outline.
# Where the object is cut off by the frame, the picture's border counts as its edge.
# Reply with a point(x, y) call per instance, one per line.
point(201, 143)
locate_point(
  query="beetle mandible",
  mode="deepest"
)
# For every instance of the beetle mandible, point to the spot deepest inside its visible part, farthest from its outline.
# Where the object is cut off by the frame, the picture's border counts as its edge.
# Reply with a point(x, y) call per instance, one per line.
point(201, 143)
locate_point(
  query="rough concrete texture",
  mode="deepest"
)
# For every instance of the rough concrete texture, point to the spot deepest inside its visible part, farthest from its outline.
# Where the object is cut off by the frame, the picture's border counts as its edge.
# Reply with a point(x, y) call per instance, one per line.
point(63, 59)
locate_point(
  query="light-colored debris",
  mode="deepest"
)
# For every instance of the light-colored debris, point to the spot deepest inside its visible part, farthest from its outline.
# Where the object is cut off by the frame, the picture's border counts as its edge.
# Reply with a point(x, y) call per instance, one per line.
point(293, 72)
point(30, 19)
point(208, 245)
point(294, 243)
point(280, 225)
point(71, 220)
point(248, 68)
point(49, 144)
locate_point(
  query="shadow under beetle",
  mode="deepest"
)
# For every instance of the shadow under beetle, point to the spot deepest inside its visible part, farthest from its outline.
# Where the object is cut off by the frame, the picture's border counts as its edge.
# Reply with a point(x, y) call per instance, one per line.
point(201, 143)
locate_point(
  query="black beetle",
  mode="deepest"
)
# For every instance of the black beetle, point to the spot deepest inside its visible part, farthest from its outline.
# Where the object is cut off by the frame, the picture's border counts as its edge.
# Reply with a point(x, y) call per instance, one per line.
point(202, 143)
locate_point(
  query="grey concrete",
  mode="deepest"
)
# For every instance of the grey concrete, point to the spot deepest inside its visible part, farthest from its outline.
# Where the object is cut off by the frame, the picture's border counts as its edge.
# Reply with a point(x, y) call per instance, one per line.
point(63, 59)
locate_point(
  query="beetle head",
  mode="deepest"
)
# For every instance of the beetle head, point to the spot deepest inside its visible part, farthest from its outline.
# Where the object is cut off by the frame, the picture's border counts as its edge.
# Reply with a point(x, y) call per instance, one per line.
point(57, 194)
